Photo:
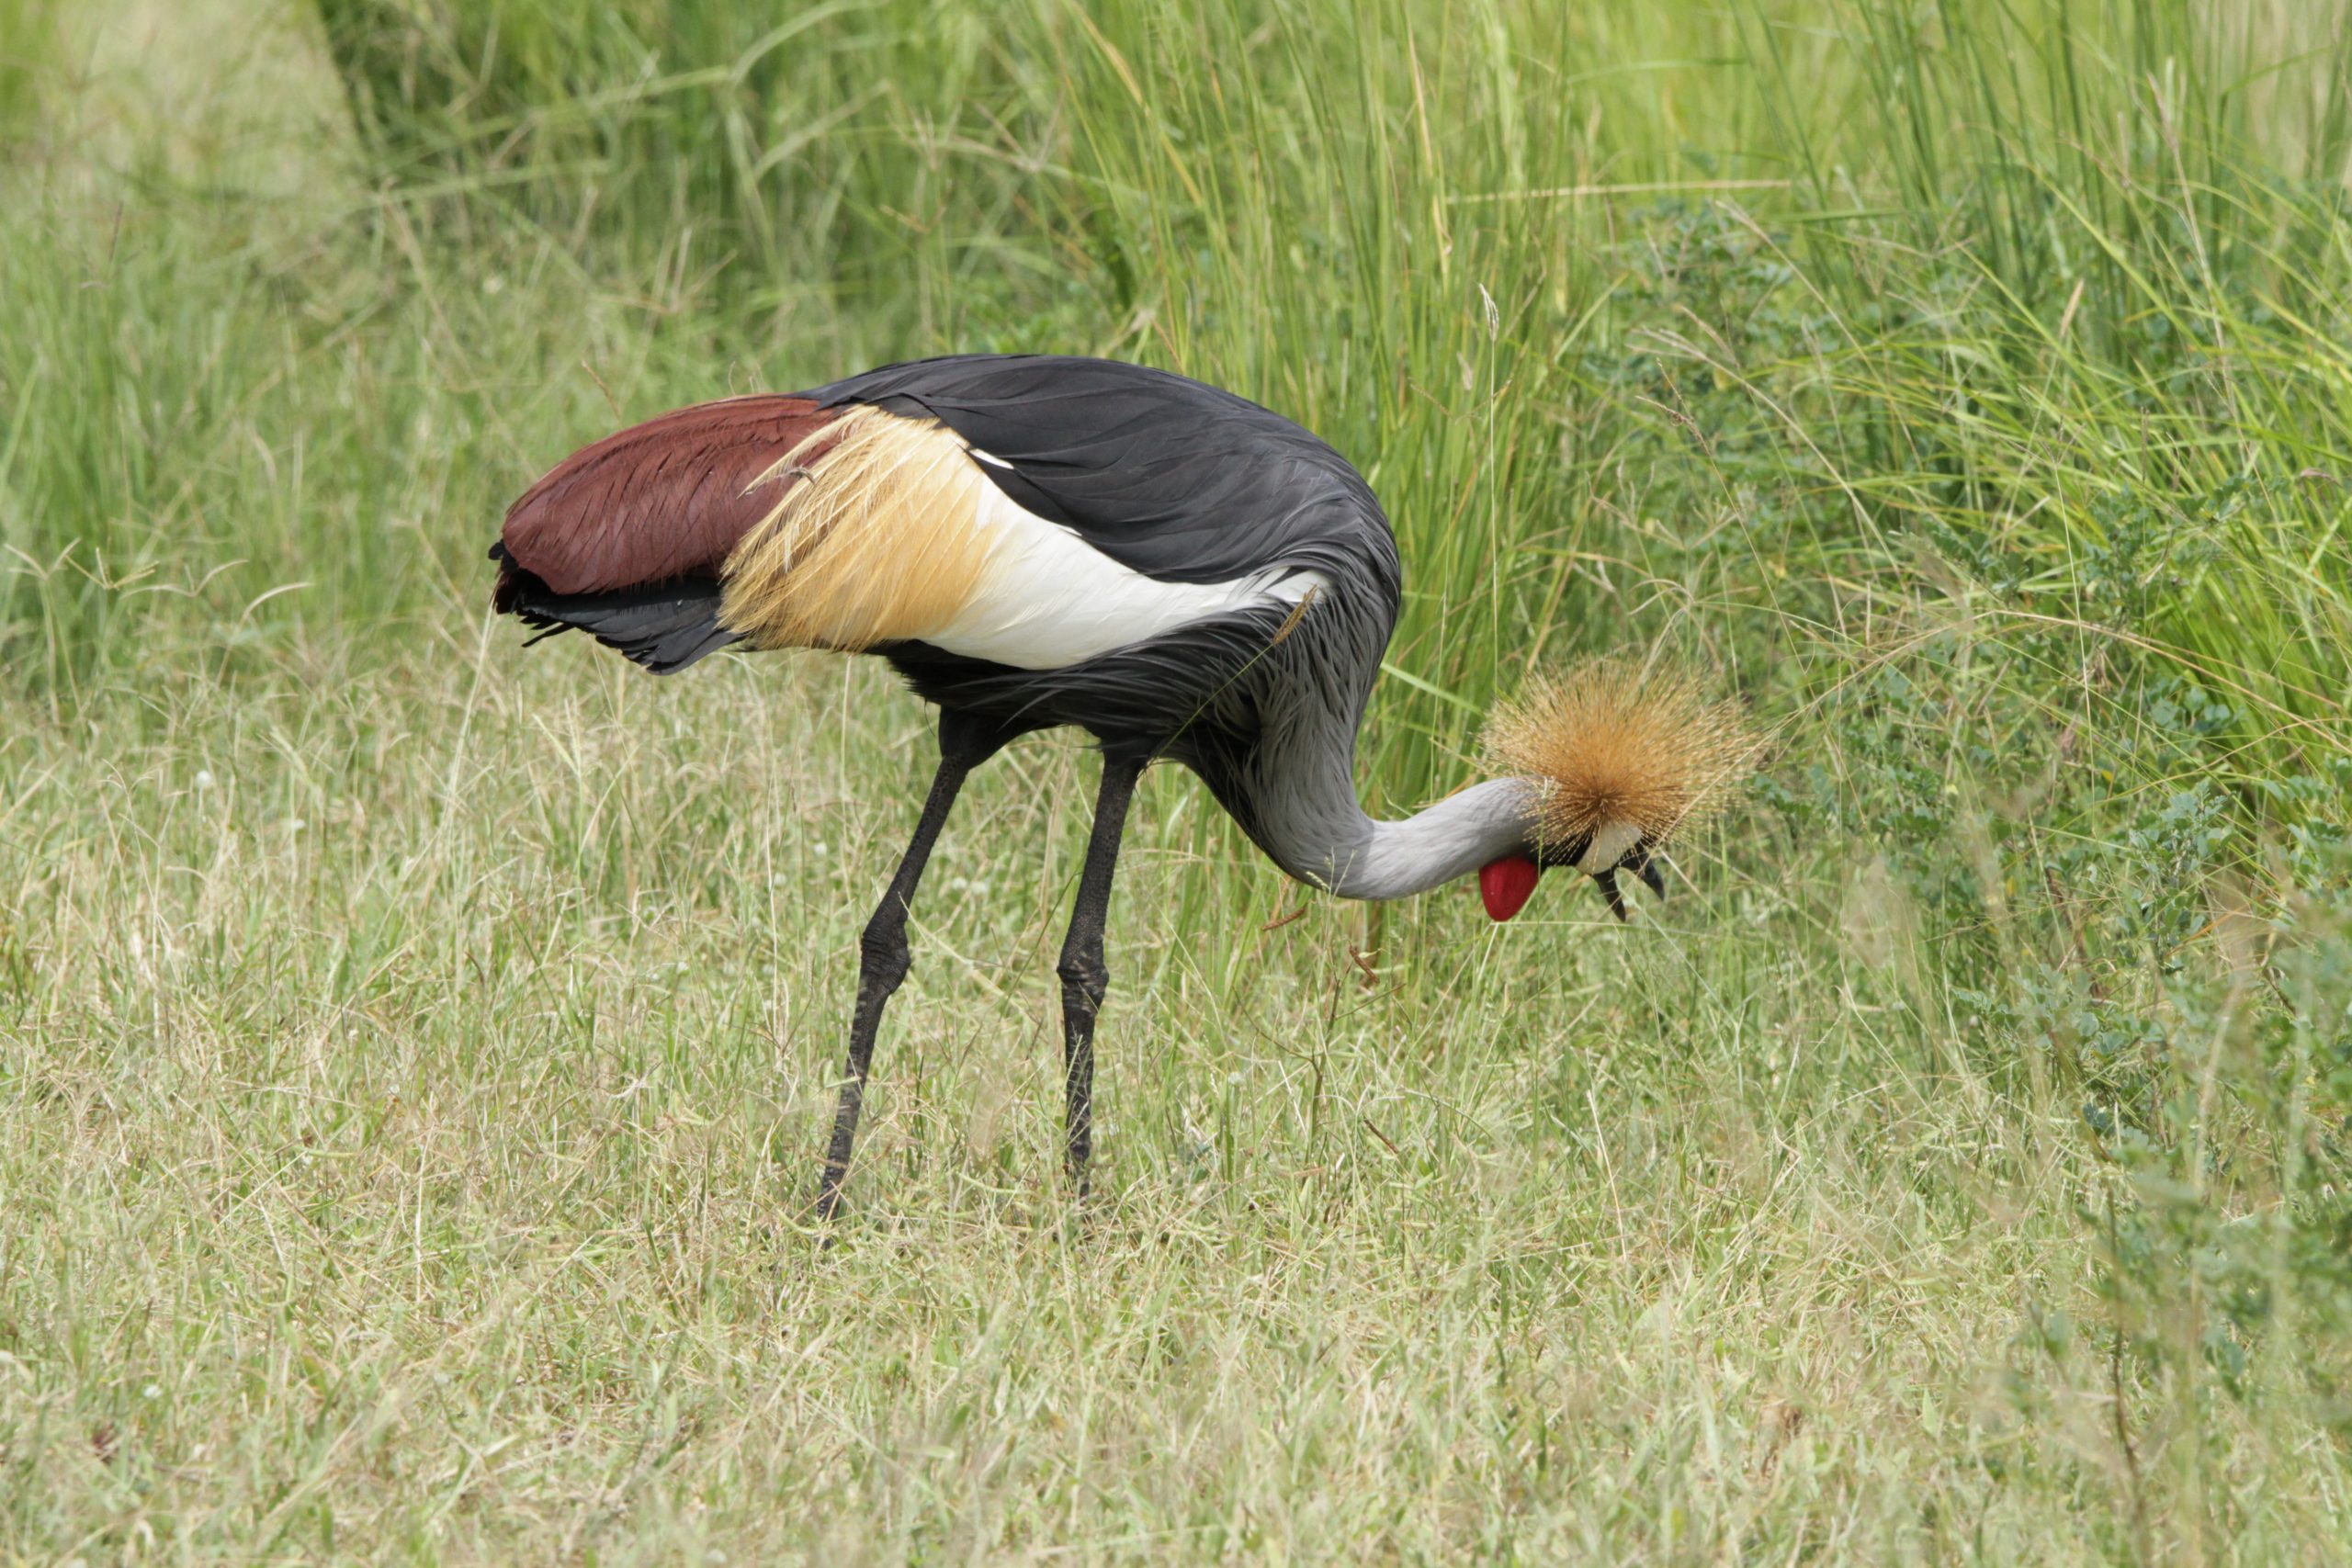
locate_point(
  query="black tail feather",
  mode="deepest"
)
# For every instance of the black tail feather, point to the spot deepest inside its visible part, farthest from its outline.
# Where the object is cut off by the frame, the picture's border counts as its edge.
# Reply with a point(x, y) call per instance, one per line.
point(664, 627)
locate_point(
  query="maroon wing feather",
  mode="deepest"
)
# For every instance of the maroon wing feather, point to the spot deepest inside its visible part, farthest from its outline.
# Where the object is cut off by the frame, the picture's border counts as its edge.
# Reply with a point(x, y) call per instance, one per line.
point(659, 502)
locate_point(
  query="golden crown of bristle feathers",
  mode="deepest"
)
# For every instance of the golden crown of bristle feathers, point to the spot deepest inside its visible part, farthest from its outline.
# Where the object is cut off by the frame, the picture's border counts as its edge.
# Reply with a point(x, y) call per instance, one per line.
point(1615, 741)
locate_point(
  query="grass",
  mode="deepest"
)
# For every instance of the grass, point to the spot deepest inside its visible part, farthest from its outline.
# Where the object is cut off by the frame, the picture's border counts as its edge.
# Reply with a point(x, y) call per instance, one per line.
point(418, 1053)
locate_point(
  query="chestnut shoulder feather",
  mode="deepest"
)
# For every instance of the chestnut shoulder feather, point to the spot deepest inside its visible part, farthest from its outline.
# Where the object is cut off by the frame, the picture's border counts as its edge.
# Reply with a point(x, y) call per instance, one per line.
point(667, 499)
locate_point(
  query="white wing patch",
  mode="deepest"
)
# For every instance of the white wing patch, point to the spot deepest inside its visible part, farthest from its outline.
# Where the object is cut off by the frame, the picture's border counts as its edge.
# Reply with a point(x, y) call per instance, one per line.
point(1047, 598)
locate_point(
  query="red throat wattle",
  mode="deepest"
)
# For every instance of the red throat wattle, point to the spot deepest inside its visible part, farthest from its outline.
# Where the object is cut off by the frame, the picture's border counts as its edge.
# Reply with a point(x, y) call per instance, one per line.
point(1506, 884)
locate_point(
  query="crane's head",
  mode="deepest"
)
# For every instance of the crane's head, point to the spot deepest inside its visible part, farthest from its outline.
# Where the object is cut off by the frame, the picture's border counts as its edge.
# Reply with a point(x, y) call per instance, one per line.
point(1623, 756)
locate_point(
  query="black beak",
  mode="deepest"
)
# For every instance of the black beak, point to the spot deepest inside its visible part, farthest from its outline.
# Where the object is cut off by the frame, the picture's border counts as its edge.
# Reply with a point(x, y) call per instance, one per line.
point(1608, 880)
point(1652, 878)
point(1642, 864)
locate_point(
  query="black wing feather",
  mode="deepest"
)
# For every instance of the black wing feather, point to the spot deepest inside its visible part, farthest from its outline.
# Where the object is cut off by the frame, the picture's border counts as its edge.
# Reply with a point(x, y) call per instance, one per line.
point(664, 626)
point(1175, 479)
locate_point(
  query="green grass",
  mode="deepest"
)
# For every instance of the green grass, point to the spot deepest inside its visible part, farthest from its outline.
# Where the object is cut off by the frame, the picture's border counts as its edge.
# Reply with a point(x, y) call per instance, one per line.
point(417, 1054)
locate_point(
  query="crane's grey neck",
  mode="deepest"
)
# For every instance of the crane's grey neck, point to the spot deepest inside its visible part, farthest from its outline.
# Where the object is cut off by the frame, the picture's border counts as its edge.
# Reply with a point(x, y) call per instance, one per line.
point(1342, 849)
point(1279, 754)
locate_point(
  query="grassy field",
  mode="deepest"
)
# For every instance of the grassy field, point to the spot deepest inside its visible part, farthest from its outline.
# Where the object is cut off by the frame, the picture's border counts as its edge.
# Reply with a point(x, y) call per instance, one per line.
point(417, 1053)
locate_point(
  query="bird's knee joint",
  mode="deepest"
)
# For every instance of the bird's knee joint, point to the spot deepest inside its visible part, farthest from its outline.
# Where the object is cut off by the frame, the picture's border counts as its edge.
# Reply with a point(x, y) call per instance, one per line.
point(1086, 974)
point(882, 951)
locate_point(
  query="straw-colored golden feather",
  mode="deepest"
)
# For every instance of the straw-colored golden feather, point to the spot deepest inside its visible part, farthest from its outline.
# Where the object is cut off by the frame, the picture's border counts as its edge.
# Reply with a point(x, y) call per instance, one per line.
point(876, 542)
point(1626, 755)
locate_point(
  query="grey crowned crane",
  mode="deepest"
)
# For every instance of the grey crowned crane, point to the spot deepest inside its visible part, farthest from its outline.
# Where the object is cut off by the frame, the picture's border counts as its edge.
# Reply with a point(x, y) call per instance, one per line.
point(1035, 541)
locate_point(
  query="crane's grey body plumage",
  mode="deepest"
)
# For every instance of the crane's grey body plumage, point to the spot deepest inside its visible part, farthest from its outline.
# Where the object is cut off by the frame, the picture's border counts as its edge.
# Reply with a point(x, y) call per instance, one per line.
point(1271, 730)
point(1188, 483)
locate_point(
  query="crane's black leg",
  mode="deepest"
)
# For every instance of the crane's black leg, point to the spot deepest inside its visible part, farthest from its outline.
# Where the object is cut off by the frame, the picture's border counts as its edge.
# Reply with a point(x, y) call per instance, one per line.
point(964, 742)
point(1084, 977)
